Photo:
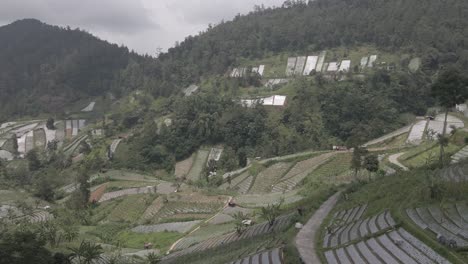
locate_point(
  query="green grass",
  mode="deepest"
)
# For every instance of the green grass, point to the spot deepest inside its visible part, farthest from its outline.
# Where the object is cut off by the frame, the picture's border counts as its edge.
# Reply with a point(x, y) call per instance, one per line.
point(160, 240)
point(420, 158)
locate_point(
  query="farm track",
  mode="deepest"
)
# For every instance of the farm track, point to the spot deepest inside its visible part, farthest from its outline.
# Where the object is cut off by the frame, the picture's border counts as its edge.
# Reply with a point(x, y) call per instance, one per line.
point(394, 159)
point(305, 239)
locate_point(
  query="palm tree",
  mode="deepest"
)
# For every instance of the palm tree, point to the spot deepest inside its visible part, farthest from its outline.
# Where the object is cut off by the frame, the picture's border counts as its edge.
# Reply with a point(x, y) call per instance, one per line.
point(450, 89)
point(87, 252)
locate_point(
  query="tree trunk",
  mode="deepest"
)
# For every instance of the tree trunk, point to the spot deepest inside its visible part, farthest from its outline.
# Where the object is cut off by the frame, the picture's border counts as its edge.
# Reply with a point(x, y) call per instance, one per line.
point(444, 131)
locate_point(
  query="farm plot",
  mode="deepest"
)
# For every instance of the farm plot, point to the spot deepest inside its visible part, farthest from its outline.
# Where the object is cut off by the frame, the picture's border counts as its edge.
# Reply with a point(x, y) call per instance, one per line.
point(347, 216)
point(126, 175)
point(450, 224)
point(182, 168)
point(460, 155)
point(6, 155)
point(457, 173)
point(290, 66)
point(235, 181)
point(221, 219)
point(196, 197)
point(364, 61)
point(40, 139)
point(272, 83)
point(334, 171)
point(310, 65)
point(203, 233)
point(187, 209)
point(321, 61)
point(132, 191)
point(153, 209)
point(397, 246)
point(89, 107)
point(299, 172)
point(129, 209)
point(114, 145)
point(198, 166)
point(300, 62)
point(356, 230)
point(29, 143)
point(274, 256)
point(59, 132)
point(372, 60)
point(414, 64)
point(417, 132)
point(72, 147)
point(268, 177)
point(253, 231)
point(259, 200)
point(181, 227)
point(215, 154)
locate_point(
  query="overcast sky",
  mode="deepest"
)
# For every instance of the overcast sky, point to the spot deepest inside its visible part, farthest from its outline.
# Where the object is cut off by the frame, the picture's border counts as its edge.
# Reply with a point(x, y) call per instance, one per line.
point(142, 25)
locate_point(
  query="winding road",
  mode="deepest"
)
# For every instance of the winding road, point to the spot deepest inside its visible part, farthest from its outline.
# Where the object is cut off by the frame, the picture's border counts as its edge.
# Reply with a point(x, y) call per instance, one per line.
point(305, 239)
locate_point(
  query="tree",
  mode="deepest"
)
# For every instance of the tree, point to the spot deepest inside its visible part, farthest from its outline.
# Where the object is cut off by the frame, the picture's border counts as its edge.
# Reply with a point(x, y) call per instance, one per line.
point(87, 252)
point(33, 160)
point(85, 148)
point(239, 225)
point(371, 163)
point(356, 161)
point(22, 246)
point(80, 197)
point(50, 124)
point(271, 212)
point(450, 89)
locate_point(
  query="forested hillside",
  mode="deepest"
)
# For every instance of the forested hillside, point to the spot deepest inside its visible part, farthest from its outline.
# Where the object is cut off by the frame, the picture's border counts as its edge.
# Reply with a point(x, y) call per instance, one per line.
point(43, 68)
point(434, 29)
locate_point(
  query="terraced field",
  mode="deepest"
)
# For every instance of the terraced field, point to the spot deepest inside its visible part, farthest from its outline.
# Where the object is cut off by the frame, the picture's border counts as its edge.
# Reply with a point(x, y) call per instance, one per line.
point(132, 191)
point(397, 246)
point(356, 230)
point(460, 155)
point(198, 165)
point(334, 171)
point(189, 209)
point(300, 171)
point(181, 227)
point(235, 181)
point(154, 208)
point(40, 138)
point(455, 173)
point(128, 210)
point(182, 168)
point(259, 200)
point(450, 223)
point(253, 231)
point(268, 177)
point(274, 256)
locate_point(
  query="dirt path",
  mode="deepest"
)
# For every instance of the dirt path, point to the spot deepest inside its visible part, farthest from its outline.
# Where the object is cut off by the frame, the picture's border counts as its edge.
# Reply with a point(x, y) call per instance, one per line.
point(394, 159)
point(305, 239)
point(388, 136)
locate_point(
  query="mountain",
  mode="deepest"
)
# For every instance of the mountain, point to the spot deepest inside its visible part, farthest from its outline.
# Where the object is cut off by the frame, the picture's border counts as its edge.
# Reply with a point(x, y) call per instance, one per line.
point(44, 68)
point(436, 30)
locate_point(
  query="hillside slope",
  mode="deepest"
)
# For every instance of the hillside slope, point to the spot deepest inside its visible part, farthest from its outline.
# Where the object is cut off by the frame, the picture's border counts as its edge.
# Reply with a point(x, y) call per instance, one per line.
point(433, 28)
point(43, 68)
